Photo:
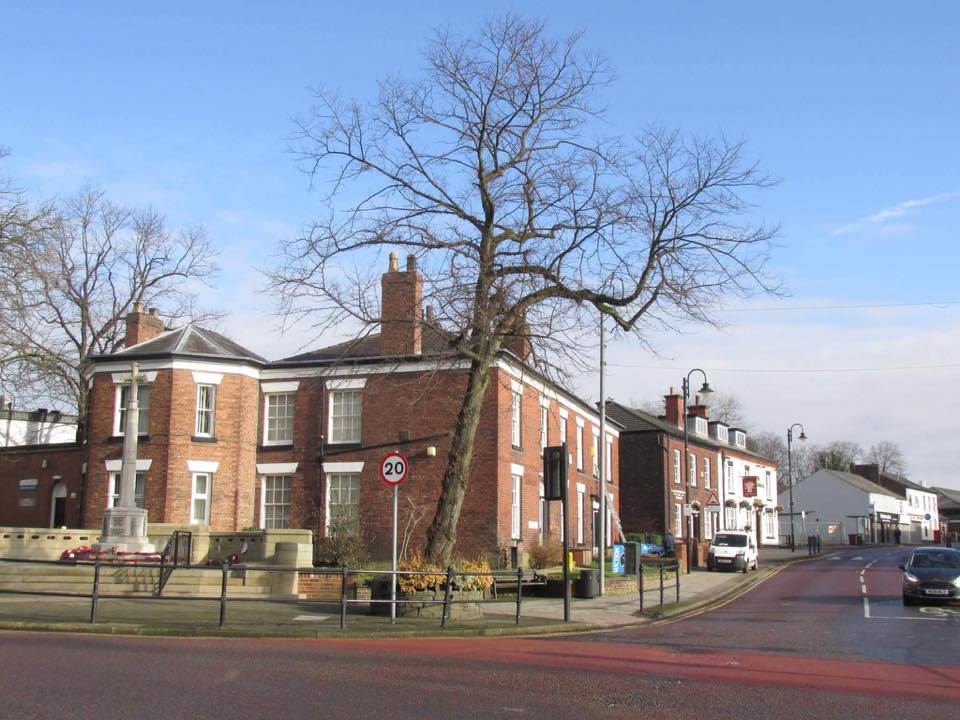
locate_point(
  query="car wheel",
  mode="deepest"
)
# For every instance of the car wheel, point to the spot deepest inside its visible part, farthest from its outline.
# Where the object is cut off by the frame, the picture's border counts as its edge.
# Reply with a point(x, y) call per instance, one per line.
point(746, 566)
point(756, 565)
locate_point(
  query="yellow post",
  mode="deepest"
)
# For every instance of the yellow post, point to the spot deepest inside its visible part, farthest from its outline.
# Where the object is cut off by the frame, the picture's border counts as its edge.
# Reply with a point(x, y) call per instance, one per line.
point(570, 562)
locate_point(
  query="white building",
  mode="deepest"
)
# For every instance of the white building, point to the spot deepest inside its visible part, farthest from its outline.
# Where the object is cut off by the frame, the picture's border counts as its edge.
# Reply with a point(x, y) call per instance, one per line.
point(35, 427)
point(837, 505)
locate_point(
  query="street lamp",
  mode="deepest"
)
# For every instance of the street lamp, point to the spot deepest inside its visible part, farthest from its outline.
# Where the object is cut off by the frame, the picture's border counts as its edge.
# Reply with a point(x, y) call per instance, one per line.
point(705, 392)
point(793, 542)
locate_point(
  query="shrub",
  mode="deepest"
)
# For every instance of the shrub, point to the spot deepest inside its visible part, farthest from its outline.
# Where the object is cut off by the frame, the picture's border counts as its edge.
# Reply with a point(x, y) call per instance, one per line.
point(435, 577)
point(344, 544)
point(546, 554)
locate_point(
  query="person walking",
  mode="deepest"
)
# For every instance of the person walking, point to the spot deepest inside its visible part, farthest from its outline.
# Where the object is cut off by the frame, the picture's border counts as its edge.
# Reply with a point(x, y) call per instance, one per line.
point(897, 535)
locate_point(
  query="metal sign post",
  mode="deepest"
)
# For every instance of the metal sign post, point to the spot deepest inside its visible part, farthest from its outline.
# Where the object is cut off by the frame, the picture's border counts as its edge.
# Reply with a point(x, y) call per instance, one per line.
point(393, 470)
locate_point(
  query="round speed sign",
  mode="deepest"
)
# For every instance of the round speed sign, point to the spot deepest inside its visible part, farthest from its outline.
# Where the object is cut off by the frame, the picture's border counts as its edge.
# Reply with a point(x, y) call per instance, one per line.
point(393, 468)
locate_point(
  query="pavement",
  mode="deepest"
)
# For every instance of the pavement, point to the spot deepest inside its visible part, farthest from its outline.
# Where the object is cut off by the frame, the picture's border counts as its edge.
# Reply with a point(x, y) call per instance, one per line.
point(699, 589)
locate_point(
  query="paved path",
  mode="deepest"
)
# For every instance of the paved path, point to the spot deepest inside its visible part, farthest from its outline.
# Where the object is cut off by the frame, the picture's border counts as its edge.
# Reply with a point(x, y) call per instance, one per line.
point(315, 619)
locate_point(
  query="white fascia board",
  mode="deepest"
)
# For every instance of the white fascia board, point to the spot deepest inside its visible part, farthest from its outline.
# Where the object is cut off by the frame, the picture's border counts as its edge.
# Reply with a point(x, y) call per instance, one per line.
point(198, 466)
point(276, 468)
point(513, 369)
point(117, 465)
point(116, 366)
point(516, 469)
point(343, 467)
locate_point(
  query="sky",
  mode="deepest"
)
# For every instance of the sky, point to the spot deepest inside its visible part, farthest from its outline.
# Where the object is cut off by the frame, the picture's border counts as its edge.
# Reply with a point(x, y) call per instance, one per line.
point(854, 107)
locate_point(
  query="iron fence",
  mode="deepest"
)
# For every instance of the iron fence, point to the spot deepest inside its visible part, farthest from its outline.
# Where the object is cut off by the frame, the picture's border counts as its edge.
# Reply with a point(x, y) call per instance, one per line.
point(663, 566)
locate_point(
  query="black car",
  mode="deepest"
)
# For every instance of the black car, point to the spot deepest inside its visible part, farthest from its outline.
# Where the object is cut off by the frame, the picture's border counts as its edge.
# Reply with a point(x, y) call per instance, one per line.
point(932, 573)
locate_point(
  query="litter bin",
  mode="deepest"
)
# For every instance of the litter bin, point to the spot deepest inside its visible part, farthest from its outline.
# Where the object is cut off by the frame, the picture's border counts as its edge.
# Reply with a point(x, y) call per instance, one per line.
point(588, 585)
point(853, 538)
point(632, 553)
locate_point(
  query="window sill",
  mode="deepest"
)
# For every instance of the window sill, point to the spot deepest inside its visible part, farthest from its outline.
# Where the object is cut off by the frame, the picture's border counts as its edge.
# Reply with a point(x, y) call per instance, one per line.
point(203, 439)
point(119, 438)
point(518, 448)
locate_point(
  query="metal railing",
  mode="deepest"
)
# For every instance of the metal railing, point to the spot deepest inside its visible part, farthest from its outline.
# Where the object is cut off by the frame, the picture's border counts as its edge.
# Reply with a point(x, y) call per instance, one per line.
point(96, 593)
point(663, 567)
point(178, 549)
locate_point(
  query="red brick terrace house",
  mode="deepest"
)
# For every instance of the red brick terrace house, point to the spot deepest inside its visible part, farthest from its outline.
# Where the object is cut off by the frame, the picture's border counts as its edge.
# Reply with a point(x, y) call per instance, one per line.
point(233, 441)
point(729, 487)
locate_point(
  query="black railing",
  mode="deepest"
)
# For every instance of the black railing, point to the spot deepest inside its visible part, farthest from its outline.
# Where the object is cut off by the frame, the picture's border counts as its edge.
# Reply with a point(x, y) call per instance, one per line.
point(95, 595)
point(663, 567)
point(176, 553)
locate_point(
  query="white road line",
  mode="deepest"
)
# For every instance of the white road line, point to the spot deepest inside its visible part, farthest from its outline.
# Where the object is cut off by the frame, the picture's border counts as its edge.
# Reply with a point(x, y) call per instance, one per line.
point(866, 608)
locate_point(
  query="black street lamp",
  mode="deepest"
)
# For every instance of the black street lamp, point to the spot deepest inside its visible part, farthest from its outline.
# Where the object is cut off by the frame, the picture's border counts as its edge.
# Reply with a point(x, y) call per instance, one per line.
point(793, 542)
point(705, 392)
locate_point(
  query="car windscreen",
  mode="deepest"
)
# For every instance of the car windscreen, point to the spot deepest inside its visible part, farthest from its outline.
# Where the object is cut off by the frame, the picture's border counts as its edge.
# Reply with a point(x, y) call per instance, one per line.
point(935, 560)
point(725, 540)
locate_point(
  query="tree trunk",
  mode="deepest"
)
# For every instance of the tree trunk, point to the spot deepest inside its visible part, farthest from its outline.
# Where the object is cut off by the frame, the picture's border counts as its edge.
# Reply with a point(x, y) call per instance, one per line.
point(442, 535)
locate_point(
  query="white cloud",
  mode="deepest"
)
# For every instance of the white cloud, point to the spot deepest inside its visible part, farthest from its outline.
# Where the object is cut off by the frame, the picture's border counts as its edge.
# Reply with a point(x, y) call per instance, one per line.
point(892, 213)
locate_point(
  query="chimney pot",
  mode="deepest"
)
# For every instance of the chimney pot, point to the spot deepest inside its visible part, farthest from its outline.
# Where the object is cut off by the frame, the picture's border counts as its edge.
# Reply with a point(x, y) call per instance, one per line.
point(429, 313)
point(394, 262)
point(411, 263)
point(138, 307)
point(153, 312)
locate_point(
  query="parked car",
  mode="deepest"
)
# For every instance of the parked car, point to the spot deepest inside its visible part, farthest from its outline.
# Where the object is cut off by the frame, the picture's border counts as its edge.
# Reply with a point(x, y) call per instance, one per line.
point(931, 573)
point(733, 550)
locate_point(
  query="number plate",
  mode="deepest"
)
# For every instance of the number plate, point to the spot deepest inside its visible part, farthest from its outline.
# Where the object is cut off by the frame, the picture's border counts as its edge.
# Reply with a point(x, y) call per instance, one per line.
point(937, 592)
point(724, 560)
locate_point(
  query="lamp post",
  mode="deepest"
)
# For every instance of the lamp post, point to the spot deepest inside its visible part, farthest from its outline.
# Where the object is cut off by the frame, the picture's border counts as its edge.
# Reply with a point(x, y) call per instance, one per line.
point(705, 392)
point(793, 542)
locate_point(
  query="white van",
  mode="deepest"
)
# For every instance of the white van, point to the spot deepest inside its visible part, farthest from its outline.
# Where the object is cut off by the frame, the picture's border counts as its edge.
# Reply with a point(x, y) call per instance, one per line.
point(732, 550)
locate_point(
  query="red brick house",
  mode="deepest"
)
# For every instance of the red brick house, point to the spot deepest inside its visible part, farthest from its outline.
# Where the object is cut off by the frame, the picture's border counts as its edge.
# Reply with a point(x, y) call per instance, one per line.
point(233, 441)
point(725, 485)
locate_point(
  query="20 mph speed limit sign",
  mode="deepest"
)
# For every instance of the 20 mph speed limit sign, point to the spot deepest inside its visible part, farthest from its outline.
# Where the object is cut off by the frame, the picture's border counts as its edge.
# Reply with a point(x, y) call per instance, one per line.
point(394, 468)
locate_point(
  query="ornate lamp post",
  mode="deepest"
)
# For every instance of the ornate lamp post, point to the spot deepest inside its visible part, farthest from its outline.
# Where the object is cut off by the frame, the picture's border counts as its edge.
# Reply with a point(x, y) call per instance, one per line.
point(793, 542)
point(705, 392)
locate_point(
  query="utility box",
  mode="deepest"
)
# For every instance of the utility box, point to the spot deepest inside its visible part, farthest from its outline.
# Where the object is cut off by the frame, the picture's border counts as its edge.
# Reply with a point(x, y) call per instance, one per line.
point(631, 554)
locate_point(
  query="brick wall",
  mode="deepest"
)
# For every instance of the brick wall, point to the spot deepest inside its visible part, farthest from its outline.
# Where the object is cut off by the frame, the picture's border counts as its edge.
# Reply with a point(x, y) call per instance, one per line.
point(48, 465)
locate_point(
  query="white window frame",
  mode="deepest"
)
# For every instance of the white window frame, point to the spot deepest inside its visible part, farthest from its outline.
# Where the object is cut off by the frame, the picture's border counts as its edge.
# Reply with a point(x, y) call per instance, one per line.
point(340, 475)
point(708, 522)
point(208, 411)
point(580, 444)
point(608, 460)
point(143, 411)
point(678, 519)
point(291, 404)
point(265, 480)
point(515, 413)
point(676, 467)
point(769, 480)
point(356, 398)
point(516, 489)
point(729, 471)
point(563, 433)
point(595, 435)
point(205, 496)
point(113, 489)
point(544, 433)
point(542, 511)
point(692, 469)
point(707, 483)
point(581, 497)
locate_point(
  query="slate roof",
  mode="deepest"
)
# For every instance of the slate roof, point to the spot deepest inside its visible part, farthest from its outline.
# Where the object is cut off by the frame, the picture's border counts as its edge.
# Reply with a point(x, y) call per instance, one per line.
point(434, 344)
point(640, 421)
point(190, 340)
point(949, 498)
point(861, 483)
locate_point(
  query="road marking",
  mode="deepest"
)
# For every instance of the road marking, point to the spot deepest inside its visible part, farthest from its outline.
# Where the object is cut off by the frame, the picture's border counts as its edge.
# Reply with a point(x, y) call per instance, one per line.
point(311, 618)
point(941, 611)
point(866, 608)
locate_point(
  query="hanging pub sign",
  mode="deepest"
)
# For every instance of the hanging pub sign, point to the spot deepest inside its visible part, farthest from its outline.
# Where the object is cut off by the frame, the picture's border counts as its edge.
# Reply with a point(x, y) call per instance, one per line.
point(750, 486)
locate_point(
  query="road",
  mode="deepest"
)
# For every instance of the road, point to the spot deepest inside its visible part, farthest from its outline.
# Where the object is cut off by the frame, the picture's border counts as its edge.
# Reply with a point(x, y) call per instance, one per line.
point(803, 644)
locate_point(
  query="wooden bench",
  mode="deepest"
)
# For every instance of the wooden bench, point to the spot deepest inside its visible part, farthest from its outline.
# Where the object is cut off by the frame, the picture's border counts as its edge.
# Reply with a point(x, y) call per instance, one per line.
point(507, 580)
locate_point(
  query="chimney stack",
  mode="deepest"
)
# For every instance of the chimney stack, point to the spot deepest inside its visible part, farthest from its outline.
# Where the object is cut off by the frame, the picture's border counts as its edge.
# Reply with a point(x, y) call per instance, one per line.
point(402, 308)
point(518, 342)
point(142, 326)
point(674, 403)
point(698, 408)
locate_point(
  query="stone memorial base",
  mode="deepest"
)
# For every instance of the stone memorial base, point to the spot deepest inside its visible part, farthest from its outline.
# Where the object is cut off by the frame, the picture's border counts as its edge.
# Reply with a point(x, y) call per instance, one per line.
point(125, 530)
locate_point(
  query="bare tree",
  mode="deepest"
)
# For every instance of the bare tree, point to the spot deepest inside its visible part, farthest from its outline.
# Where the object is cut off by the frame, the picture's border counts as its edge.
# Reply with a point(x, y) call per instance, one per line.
point(838, 455)
point(888, 456)
point(524, 219)
point(728, 409)
point(770, 445)
point(69, 282)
